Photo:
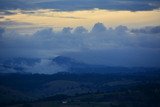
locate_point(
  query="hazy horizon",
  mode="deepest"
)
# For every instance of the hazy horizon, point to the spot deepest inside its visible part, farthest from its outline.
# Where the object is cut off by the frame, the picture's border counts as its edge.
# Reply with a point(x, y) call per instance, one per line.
point(101, 32)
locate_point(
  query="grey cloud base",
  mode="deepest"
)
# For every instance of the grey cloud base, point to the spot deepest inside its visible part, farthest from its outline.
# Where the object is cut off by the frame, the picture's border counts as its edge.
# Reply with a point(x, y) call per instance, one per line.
point(101, 45)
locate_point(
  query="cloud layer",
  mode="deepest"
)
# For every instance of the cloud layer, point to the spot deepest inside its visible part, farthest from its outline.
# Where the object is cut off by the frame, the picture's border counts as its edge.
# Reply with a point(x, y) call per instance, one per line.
point(71, 5)
point(102, 45)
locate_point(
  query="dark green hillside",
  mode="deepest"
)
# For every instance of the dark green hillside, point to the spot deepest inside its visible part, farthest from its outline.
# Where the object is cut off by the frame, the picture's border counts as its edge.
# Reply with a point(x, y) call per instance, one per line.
point(146, 95)
point(137, 88)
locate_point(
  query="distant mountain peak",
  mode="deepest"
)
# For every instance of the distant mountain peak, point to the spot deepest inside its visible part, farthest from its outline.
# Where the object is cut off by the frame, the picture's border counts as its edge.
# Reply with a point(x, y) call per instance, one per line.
point(62, 60)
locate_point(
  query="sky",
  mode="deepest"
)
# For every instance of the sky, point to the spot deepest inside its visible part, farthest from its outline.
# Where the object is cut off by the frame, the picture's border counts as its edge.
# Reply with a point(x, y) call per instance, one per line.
point(34, 14)
point(105, 32)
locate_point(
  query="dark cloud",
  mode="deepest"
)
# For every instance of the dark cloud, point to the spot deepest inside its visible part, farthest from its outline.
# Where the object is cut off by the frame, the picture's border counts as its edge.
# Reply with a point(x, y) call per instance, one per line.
point(104, 45)
point(72, 5)
point(15, 4)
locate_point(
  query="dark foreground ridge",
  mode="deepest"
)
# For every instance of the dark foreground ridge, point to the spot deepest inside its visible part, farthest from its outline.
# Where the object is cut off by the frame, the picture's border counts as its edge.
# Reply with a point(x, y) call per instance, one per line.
point(131, 89)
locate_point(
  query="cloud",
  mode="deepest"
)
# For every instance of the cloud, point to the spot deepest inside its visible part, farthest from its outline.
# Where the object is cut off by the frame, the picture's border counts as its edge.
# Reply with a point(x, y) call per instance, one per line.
point(30, 65)
point(131, 5)
point(98, 27)
point(6, 12)
point(14, 4)
point(111, 45)
point(72, 5)
point(46, 33)
point(148, 30)
point(126, 57)
point(66, 30)
point(13, 23)
point(1, 31)
point(45, 66)
point(121, 29)
point(80, 30)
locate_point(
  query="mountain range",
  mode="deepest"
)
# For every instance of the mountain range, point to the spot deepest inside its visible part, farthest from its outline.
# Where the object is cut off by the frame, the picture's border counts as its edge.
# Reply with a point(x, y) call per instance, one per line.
point(64, 64)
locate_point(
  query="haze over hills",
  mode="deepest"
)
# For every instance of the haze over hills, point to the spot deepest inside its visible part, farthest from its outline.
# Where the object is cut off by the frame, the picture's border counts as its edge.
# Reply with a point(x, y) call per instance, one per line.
point(35, 80)
point(62, 64)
